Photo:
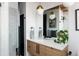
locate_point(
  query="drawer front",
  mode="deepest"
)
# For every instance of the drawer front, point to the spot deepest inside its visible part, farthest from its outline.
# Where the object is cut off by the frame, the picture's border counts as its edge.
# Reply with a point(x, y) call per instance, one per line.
point(53, 52)
point(47, 51)
point(31, 47)
point(42, 50)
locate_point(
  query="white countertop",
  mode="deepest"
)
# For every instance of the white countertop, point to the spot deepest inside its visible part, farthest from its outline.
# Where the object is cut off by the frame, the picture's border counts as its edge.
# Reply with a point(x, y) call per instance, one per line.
point(49, 43)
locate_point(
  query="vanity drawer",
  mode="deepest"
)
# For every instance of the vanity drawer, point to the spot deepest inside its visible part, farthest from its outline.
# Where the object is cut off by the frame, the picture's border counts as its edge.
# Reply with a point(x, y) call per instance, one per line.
point(31, 47)
point(48, 51)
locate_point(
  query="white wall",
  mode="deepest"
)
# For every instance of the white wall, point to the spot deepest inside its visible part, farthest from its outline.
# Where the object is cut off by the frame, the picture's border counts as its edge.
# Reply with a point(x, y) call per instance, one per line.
point(4, 29)
point(30, 17)
point(66, 21)
point(0, 30)
point(13, 27)
point(73, 34)
point(8, 28)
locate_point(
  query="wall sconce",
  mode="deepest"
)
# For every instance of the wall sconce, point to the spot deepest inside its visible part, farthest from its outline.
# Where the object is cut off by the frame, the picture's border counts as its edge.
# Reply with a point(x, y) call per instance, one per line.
point(40, 9)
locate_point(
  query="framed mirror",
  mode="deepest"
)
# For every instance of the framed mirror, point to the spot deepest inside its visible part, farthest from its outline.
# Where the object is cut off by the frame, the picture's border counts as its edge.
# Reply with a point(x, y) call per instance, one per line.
point(77, 19)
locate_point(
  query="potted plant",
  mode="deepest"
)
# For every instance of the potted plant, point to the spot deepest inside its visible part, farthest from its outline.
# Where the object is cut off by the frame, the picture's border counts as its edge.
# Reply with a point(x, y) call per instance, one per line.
point(62, 37)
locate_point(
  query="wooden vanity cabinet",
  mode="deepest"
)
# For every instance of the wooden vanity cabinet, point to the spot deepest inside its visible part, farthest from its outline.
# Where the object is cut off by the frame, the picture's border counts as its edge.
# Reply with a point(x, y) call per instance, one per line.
point(48, 51)
point(42, 50)
point(32, 47)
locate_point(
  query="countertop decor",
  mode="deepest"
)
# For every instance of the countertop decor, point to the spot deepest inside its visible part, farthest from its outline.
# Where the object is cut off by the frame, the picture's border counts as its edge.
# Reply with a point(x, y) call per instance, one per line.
point(62, 37)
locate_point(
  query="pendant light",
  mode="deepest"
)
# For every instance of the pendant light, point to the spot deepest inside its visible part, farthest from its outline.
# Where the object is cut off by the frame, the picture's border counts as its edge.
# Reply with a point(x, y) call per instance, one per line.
point(40, 9)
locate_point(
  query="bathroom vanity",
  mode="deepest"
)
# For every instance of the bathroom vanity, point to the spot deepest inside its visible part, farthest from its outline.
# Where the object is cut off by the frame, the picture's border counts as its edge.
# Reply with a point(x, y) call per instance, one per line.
point(44, 47)
point(54, 20)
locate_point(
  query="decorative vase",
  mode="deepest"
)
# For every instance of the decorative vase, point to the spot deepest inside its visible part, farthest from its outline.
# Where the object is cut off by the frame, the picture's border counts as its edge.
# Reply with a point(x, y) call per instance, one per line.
point(32, 33)
point(40, 32)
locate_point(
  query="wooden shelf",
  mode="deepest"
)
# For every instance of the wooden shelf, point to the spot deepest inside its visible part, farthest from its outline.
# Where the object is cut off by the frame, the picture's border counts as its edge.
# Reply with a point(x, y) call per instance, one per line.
point(63, 8)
